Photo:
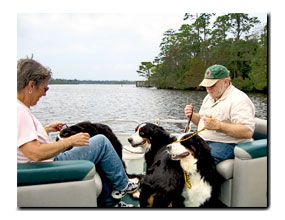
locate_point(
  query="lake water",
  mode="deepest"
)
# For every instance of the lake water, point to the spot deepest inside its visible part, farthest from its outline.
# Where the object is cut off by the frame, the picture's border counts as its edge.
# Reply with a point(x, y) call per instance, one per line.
point(75, 103)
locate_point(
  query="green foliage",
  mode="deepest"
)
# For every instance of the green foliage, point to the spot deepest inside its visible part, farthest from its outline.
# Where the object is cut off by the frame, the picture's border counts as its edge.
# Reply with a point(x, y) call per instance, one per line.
point(145, 69)
point(193, 76)
point(243, 84)
point(185, 54)
point(258, 73)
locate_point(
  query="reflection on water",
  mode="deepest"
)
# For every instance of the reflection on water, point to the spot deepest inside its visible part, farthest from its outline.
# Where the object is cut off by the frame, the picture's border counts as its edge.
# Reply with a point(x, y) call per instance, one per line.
point(74, 103)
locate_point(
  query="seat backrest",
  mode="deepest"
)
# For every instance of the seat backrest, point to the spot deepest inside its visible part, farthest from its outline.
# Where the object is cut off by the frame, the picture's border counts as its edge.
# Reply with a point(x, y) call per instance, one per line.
point(54, 172)
point(260, 131)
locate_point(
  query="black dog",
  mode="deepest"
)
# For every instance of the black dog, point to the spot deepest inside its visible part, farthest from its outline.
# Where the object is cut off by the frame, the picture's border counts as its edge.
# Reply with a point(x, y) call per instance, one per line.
point(202, 182)
point(163, 175)
point(163, 185)
point(93, 129)
point(181, 174)
point(151, 138)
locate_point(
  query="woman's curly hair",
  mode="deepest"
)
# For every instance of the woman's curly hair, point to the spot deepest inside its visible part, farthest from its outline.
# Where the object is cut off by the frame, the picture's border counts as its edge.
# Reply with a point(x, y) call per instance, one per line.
point(31, 70)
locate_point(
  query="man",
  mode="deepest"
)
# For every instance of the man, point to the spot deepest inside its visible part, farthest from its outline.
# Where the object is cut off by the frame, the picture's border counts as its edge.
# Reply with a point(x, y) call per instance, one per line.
point(231, 110)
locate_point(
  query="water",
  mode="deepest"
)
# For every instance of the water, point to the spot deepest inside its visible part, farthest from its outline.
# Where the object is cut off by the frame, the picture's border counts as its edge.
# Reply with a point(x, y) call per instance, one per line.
point(75, 103)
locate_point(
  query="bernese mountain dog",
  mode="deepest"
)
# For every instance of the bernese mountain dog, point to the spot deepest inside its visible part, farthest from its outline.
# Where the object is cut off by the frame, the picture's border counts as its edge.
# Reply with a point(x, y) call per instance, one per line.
point(151, 138)
point(178, 174)
point(202, 182)
point(93, 129)
point(163, 175)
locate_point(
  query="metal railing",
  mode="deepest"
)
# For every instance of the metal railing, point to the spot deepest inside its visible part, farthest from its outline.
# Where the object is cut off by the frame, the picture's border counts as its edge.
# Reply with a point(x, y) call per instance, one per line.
point(157, 121)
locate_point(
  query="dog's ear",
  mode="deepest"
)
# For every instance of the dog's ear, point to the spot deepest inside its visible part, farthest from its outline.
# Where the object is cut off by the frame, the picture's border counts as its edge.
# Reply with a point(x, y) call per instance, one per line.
point(137, 127)
point(157, 130)
point(173, 138)
point(201, 146)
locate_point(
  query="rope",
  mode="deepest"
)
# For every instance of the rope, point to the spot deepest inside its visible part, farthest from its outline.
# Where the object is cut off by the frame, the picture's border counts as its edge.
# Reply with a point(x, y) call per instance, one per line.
point(187, 128)
point(186, 176)
point(195, 133)
point(187, 180)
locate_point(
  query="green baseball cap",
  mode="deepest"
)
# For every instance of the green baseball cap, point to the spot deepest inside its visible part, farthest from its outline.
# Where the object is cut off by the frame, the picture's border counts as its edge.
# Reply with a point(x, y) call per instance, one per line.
point(213, 74)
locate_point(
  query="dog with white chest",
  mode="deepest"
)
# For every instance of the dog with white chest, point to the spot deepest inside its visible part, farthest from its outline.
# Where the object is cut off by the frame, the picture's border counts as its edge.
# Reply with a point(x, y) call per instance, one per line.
point(151, 138)
point(202, 185)
point(180, 171)
point(138, 139)
point(163, 183)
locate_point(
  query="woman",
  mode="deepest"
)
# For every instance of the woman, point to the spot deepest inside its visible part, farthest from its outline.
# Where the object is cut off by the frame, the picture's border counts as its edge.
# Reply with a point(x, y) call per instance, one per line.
point(33, 142)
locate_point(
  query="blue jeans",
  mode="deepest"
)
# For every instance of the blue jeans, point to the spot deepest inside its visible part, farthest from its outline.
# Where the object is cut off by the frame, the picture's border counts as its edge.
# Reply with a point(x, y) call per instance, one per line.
point(108, 164)
point(221, 151)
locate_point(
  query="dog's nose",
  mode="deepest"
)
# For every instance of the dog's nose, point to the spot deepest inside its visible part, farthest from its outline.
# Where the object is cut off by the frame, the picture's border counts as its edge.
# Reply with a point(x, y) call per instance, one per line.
point(130, 140)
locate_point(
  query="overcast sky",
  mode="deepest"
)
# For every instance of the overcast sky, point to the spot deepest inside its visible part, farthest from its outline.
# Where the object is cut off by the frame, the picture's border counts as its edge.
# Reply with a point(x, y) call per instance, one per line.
point(101, 46)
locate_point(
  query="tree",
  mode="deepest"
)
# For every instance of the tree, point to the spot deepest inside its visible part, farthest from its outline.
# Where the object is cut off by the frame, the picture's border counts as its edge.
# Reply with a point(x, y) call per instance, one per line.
point(241, 24)
point(258, 73)
point(202, 23)
point(145, 69)
point(201, 26)
point(221, 27)
point(186, 53)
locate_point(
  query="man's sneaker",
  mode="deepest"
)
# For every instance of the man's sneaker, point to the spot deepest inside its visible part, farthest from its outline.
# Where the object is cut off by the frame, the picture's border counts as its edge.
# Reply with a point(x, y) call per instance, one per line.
point(130, 188)
point(122, 204)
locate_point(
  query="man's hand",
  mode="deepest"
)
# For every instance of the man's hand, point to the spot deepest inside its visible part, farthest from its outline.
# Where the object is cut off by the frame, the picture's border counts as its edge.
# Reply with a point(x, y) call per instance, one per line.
point(215, 123)
point(188, 110)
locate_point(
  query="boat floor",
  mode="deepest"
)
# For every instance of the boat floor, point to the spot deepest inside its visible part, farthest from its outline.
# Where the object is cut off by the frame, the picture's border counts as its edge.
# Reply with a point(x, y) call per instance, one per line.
point(129, 200)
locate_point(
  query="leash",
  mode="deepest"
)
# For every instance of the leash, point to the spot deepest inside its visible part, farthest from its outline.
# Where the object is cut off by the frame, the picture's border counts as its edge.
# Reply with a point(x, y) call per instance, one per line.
point(187, 180)
point(189, 120)
point(195, 133)
point(186, 175)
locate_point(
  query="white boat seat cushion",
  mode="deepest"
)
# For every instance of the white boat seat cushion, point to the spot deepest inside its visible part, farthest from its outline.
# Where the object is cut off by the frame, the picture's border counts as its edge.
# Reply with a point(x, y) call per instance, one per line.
point(226, 168)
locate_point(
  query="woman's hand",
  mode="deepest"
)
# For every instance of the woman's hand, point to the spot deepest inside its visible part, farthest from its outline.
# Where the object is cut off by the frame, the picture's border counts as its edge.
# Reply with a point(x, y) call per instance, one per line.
point(54, 127)
point(80, 139)
point(38, 152)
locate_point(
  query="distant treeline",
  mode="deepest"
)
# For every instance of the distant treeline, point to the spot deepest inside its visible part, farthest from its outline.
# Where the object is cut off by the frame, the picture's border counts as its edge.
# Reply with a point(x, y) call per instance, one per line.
point(234, 40)
point(76, 81)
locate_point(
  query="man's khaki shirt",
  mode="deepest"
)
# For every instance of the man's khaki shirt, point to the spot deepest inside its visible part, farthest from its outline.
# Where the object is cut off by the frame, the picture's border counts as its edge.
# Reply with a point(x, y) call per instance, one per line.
point(233, 107)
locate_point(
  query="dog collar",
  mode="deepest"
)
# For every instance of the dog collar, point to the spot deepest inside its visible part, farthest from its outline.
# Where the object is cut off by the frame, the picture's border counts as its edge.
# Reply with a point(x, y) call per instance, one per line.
point(187, 180)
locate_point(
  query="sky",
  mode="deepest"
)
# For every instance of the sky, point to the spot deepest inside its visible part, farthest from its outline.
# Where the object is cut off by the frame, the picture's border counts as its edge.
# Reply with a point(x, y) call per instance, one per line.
point(95, 46)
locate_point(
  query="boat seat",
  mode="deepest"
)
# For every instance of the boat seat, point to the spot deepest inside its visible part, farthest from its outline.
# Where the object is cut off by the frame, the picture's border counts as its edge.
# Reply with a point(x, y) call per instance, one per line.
point(58, 184)
point(245, 176)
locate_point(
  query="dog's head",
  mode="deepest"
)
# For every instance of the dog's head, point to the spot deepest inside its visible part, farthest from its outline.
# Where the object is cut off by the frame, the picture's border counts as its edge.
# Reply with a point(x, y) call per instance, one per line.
point(147, 133)
point(74, 129)
point(190, 152)
point(67, 132)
